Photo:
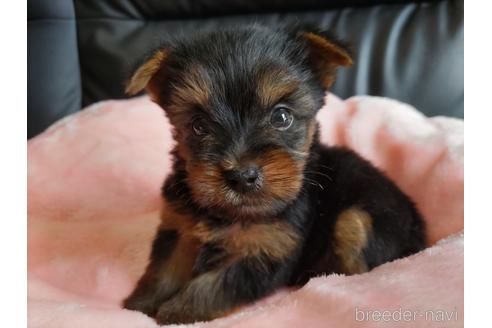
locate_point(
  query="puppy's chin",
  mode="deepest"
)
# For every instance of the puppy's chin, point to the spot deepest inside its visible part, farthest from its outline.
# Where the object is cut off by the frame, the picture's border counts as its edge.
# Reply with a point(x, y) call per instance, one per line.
point(236, 205)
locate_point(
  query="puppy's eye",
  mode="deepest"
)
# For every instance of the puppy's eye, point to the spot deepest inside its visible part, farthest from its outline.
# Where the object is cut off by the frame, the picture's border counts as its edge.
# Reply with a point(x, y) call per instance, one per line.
point(281, 118)
point(199, 128)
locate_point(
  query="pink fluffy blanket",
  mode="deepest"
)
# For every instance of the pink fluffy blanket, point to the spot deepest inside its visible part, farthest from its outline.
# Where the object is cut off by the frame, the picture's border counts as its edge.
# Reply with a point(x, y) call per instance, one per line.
point(94, 182)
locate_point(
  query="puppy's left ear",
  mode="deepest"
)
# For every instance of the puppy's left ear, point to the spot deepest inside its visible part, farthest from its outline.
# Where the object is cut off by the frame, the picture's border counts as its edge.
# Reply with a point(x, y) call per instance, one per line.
point(148, 75)
point(325, 55)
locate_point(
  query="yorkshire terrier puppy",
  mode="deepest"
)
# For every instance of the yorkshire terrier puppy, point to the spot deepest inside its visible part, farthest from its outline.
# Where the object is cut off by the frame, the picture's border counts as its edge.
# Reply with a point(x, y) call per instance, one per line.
point(255, 202)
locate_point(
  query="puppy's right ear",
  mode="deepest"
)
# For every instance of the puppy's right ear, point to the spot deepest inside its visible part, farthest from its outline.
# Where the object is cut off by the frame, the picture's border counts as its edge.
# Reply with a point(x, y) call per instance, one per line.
point(325, 53)
point(147, 75)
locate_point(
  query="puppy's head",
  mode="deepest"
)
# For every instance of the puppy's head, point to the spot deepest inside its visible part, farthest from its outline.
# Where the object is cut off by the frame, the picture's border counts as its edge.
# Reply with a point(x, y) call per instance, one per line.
point(243, 105)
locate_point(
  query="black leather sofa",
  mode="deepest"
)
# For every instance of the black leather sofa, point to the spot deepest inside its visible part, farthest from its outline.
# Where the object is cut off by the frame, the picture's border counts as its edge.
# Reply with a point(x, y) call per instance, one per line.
point(80, 52)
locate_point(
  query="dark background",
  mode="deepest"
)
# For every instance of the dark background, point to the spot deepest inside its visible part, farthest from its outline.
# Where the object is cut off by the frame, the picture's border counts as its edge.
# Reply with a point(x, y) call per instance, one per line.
point(80, 52)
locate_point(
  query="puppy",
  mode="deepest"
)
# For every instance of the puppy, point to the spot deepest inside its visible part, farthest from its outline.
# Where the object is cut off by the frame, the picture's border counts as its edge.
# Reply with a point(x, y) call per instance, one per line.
point(255, 201)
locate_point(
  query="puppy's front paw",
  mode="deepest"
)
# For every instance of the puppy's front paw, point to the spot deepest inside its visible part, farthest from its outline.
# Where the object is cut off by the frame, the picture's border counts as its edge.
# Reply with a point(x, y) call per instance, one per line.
point(171, 312)
point(175, 312)
point(141, 304)
point(168, 316)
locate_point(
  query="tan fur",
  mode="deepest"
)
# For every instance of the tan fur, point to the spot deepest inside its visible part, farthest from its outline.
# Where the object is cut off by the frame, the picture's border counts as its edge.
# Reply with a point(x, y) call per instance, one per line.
point(276, 240)
point(351, 235)
point(206, 183)
point(274, 84)
point(144, 73)
point(326, 57)
point(193, 89)
point(283, 174)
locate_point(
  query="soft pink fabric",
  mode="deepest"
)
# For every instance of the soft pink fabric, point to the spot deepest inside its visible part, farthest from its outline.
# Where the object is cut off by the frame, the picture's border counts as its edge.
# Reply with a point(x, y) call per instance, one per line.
point(93, 199)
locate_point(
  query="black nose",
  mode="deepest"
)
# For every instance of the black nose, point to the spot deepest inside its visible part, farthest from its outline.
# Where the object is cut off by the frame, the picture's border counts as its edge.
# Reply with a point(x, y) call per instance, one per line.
point(244, 179)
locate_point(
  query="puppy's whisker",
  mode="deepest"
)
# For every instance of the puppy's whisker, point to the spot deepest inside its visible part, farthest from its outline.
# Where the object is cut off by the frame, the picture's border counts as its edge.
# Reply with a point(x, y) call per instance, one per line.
point(321, 174)
point(314, 183)
point(326, 167)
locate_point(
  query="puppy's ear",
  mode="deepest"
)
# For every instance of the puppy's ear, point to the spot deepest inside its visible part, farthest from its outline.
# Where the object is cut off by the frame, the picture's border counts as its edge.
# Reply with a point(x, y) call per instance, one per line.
point(148, 74)
point(325, 55)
